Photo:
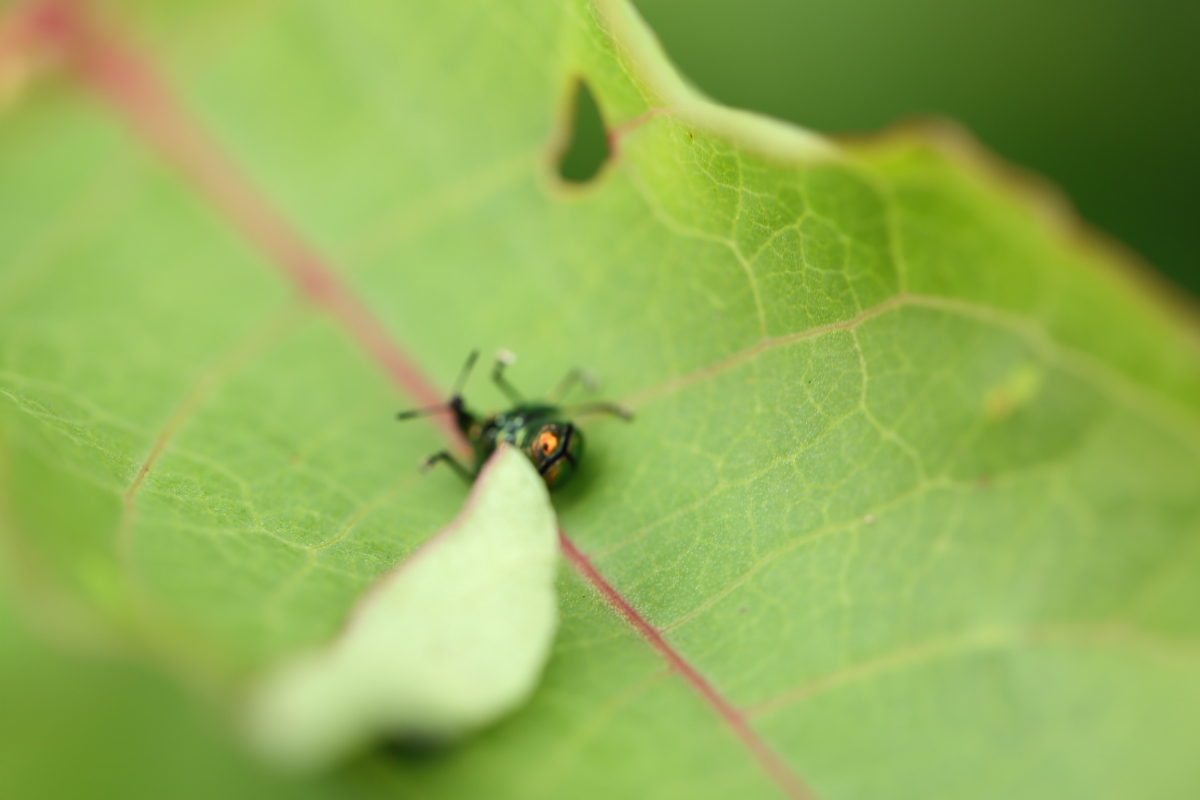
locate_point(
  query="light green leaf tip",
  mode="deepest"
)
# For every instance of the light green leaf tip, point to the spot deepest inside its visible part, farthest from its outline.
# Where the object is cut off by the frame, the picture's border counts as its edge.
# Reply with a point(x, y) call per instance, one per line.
point(775, 139)
point(448, 641)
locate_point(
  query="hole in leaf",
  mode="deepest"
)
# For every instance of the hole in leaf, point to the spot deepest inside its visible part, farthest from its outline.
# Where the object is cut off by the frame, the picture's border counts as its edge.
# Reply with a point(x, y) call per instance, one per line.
point(587, 150)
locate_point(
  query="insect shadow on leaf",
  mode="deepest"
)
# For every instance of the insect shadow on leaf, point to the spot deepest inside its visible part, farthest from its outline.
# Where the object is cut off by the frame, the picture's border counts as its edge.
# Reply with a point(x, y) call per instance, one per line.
point(541, 429)
point(414, 746)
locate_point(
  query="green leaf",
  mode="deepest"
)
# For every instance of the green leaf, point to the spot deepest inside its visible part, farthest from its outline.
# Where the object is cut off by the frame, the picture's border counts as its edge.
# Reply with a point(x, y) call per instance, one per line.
point(911, 505)
point(452, 638)
point(88, 725)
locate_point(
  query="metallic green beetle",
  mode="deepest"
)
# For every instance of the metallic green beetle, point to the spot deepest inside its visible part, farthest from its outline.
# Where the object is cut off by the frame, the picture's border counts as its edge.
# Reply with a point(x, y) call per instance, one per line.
point(552, 443)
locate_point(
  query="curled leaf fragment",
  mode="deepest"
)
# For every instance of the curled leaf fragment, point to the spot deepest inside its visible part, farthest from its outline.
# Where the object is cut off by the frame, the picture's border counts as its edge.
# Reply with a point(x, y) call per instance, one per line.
point(448, 641)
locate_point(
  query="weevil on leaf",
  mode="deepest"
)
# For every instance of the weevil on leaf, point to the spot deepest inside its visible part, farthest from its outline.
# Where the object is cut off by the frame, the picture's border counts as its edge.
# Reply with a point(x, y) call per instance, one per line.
point(539, 429)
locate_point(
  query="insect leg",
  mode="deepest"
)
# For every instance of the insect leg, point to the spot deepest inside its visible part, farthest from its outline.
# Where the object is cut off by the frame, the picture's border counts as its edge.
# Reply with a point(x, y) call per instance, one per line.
point(616, 409)
point(568, 383)
point(455, 395)
point(503, 359)
point(454, 463)
point(421, 412)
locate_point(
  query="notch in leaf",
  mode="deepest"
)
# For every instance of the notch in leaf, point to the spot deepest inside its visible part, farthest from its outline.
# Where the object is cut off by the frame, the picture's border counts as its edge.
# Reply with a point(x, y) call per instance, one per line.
point(587, 150)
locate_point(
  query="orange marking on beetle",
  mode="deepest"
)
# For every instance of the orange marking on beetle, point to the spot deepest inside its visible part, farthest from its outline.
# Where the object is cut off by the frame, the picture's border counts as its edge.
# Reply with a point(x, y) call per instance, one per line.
point(547, 442)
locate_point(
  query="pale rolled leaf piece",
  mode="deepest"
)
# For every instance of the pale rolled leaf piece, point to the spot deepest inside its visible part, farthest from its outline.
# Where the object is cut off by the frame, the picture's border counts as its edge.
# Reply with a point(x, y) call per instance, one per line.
point(453, 638)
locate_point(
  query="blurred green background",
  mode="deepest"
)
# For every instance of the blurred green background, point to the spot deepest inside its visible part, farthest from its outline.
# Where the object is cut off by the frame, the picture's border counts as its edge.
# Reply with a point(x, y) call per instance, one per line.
point(1102, 97)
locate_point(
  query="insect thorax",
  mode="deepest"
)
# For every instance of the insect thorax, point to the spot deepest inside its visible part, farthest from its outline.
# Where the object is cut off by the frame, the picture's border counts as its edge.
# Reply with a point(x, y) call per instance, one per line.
point(513, 426)
point(551, 443)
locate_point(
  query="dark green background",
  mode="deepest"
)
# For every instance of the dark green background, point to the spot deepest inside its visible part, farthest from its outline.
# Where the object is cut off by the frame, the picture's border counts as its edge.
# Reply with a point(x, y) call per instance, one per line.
point(1102, 97)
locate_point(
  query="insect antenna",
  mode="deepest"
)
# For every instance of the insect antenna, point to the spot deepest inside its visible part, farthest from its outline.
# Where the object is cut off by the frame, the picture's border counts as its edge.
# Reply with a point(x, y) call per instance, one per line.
point(455, 394)
point(503, 359)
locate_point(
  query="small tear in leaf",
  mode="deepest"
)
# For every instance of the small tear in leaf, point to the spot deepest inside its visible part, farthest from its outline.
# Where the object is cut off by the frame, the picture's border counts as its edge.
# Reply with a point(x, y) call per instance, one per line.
point(447, 642)
point(588, 148)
